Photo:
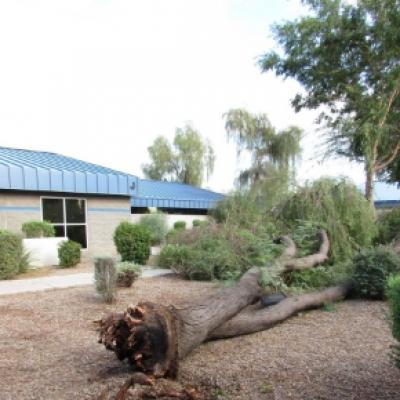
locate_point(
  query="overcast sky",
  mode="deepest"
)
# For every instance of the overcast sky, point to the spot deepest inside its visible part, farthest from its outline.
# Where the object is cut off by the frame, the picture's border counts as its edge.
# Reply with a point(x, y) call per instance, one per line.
point(99, 80)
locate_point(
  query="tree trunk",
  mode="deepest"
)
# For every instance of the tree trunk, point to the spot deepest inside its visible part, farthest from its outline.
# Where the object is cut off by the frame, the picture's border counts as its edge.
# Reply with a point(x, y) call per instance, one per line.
point(369, 183)
point(154, 337)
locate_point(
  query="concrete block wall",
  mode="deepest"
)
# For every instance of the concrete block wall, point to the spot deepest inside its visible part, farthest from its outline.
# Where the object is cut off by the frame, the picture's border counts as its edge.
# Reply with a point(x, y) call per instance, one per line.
point(17, 208)
point(103, 216)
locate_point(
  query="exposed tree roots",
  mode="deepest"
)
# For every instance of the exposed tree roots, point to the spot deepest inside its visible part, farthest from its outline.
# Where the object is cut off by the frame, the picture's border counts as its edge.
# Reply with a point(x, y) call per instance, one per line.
point(153, 337)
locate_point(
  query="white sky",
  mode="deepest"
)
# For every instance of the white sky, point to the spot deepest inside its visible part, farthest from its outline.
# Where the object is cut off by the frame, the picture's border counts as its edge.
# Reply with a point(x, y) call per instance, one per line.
point(100, 79)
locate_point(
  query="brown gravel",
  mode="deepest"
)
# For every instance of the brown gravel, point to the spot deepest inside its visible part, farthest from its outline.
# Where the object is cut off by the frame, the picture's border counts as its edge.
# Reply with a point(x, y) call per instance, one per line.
point(49, 350)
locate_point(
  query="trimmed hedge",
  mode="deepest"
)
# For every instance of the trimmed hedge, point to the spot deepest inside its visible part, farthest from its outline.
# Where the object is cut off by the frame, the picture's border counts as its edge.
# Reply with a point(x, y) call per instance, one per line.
point(132, 242)
point(180, 225)
point(372, 268)
point(69, 253)
point(12, 258)
point(37, 229)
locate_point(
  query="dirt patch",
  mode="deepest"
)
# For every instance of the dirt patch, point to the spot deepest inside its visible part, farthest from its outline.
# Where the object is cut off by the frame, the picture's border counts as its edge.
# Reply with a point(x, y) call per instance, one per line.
point(56, 270)
point(49, 349)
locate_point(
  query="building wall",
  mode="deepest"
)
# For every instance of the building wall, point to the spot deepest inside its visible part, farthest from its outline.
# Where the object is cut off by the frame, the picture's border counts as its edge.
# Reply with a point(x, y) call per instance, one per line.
point(103, 216)
point(17, 208)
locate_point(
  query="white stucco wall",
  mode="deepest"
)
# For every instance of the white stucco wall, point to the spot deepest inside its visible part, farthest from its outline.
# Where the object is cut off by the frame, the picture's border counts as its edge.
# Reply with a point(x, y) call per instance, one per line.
point(172, 218)
point(43, 252)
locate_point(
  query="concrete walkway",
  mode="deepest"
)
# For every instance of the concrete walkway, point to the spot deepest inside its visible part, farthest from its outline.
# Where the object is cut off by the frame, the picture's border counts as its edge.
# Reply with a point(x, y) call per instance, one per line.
point(63, 281)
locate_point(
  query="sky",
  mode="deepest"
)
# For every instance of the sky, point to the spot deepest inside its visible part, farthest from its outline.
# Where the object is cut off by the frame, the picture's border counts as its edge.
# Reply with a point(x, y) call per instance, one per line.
point(99, 80)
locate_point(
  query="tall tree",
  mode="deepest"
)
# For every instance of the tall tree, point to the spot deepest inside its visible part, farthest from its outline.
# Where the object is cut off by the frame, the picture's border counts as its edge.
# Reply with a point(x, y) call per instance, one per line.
point(273, 153)
point(188, 160)
point(347, 58)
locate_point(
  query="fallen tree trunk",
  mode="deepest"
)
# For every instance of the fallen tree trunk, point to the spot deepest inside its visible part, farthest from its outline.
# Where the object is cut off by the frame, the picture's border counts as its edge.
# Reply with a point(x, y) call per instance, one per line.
point(153, 337)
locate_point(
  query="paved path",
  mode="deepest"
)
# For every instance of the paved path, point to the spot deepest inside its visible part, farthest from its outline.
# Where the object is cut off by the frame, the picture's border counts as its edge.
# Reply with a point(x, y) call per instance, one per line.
point(62, 281)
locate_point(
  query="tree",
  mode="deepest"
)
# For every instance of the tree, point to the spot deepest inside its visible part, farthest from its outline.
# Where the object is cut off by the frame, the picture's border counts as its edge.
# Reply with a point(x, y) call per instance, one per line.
point(154, 337)
point(273, 153)
point(347, 58)
point(186, 161)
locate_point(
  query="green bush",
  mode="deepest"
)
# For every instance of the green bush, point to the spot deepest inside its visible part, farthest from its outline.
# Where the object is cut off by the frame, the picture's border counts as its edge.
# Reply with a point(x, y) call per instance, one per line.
point(388, 226)
point(336, 205)
point(105, 278)
point(69, 253)
point(37, 229)
point(216, 252)
point(372, 267)
point(132, 242)
point(180, 225)
point(127, 273)
point(197, 222)
point(156, 224)
point(393, 295)
point(12, 258)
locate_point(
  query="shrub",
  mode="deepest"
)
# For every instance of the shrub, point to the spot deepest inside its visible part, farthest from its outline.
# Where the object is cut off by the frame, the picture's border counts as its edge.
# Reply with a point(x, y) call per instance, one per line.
point(197, 222)
point(69, 253)
point(37, 229)
point(393, 295)
point(127, 273)
point(336, 205)
point(132, 242)
point(388, 226)
point(216, 252)
point(12, 258)
point(105, 278)
point(371, 270)
point(156, 224)
point(180, 225)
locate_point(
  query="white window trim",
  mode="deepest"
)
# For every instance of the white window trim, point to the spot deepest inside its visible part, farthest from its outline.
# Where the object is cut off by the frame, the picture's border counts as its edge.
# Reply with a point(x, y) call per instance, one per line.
point(65, 224)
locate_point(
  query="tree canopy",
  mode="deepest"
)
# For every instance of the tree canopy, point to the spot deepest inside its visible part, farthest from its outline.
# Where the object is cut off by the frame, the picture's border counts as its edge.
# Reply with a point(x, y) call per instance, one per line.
point(187, 160)
point(347, 58)
point(273, 153)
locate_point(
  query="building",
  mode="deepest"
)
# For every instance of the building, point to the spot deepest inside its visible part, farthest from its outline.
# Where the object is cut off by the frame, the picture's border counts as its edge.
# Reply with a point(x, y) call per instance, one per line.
point(85, 202)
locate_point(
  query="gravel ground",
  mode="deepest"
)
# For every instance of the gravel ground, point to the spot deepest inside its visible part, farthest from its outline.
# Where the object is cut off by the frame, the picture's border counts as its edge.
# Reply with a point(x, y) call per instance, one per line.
point(49, 350)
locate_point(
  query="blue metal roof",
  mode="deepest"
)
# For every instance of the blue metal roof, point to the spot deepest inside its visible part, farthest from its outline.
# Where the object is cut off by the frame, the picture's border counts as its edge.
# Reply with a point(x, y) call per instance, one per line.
point(173, 195)
point(43, 171)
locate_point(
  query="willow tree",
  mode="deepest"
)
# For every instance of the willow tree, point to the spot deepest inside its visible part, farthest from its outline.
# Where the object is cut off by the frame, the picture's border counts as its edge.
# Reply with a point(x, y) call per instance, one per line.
point(188, 159)
point(347, 58)
point(273, 153)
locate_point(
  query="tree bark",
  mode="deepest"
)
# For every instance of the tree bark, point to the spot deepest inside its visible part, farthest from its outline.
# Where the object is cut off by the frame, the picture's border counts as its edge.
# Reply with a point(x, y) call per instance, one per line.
point(153, 337)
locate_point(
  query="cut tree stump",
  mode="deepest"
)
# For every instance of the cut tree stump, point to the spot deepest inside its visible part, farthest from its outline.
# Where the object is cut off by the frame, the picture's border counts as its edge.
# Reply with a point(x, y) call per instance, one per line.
point(153, 337)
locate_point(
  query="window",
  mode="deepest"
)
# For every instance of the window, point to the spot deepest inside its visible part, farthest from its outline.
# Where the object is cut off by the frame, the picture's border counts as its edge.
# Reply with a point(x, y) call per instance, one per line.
point(68, 216)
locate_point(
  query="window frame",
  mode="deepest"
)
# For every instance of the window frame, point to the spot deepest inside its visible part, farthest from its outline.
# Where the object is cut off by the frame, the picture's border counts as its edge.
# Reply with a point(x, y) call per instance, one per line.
point(65, 223)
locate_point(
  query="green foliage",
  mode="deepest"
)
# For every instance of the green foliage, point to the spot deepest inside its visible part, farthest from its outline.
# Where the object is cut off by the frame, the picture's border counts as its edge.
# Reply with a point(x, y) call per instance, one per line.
point(37, 229)
point(216, 252)
point(198, 222)
point(389, 226)
point(132, 242)
point(156, 224)
point(273, 153)
point(393, 295)
point(105, 278)
point(12, 258)
point(372, 268)
point(180, 225)
point(186, 161)
point(346, 56)
point(335, 205)
point(127, 273)
point(69, 253)
point(320, 277)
